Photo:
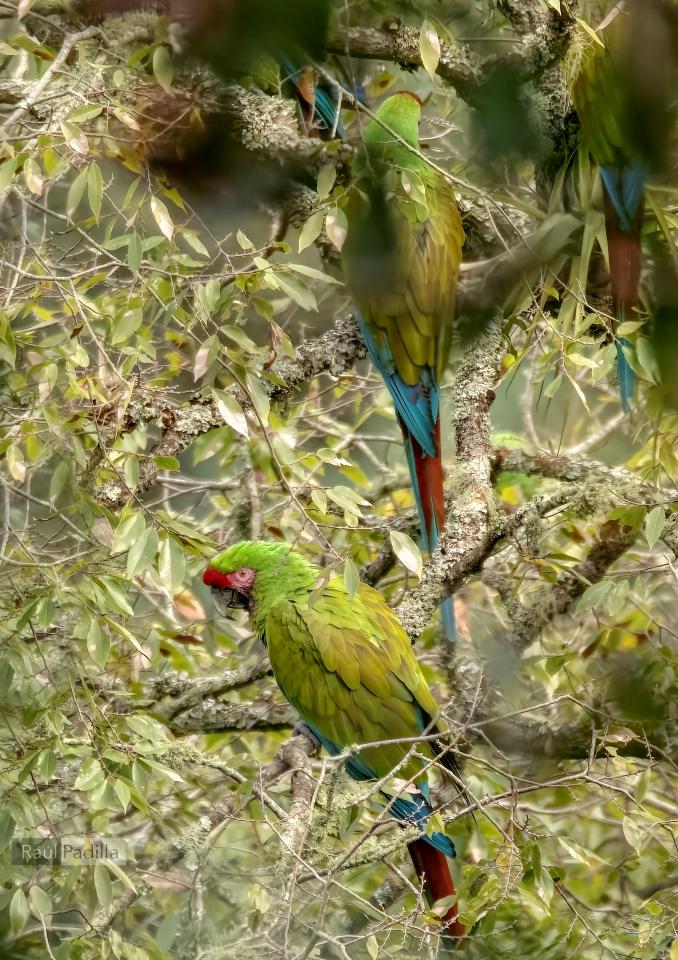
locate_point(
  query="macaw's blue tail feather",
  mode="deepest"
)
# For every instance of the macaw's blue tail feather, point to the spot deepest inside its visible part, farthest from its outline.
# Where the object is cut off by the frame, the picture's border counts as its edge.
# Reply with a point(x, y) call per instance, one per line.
point(325, 105)
point(417, 811)
point(623, 218)
point(625, 374)
point(624, 186)
point(418, 410)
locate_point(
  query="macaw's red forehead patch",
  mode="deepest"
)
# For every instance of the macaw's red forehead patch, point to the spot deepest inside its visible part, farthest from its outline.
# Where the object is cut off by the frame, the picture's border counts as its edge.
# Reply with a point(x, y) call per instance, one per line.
point(214, 578)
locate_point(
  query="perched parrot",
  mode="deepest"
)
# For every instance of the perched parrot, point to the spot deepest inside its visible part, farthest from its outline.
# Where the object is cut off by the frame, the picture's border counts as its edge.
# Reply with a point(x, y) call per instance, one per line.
point(622, 91)
point(346, 665)
point(401, 261)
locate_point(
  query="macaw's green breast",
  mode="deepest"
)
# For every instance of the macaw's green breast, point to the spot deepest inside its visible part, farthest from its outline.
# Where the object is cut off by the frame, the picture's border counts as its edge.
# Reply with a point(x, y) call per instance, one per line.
point(401, 260)
point(347, 666)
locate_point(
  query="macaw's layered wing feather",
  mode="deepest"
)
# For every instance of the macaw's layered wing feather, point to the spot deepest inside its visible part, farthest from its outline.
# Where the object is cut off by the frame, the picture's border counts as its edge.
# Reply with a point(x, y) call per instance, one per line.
point(347, 666)
point(409, 319)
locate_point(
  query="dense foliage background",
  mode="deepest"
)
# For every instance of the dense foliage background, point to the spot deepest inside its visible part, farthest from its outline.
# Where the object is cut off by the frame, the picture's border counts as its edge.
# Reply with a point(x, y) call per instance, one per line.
point(181, 370)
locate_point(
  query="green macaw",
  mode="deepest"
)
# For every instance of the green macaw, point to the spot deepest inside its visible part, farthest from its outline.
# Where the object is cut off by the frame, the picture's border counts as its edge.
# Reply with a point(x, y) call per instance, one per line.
point(346, 665)
point(401, 260)
point(623, 87)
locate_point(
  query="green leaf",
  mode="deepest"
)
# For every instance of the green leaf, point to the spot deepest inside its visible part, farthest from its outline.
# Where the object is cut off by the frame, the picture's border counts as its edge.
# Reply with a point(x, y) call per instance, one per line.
point(75, 138)
point(407, 551)
point(126, 325)
point(336, 227)
point(58, 479)
point(135, 252)
point(88, 111)
point(654, 525)
point(123, 793)
point(95, 190)
point(33, 177)
point(75, 191)
point(231, 412)
point(147, 728)
point(162, 217)
point(590, 31)
point(127, 532)
point(633, 833)
point(311, 229)
point(142, 552)
point(351, 578)
point(40, 903)
point(89, 776)
point(98, 642)
point(166, 463)
point(295, 289)
point(429, 47)
point(326, 179)
point(7, 170)
point(172, 564)
point(163, 69)
point(103, 885)
point(18, 911)
point(372, 946)
point(260, 399)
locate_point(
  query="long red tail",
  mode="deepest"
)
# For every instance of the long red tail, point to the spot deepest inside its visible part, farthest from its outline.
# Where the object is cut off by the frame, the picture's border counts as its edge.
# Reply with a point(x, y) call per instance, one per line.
point(625, 252)
point(432, 866)
point(429, 472)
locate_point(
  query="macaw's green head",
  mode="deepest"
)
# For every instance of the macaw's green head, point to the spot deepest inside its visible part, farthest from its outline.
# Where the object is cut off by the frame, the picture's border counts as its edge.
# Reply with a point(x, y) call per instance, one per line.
point(402, 113)
point(254, 575)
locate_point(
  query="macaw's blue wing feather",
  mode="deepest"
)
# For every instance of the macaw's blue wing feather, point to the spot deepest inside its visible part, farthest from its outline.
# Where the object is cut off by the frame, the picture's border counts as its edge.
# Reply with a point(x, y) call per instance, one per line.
point(624, 186)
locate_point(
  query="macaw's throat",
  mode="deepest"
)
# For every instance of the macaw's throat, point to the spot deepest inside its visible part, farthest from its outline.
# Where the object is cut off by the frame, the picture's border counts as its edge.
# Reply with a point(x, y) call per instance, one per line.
point(226, 600)
point(231, 590)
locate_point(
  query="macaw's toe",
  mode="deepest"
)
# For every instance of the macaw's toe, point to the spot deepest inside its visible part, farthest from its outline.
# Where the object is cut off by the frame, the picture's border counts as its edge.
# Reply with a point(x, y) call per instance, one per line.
point(302, 729)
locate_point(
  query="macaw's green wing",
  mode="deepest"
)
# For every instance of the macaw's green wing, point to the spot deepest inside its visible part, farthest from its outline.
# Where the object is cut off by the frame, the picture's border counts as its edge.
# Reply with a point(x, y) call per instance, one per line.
point(600, 95)
point(410, 317)
point(347, 666)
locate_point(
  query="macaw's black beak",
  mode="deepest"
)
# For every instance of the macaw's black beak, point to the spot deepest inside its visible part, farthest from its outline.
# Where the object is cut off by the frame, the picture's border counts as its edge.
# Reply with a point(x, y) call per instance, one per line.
point(226, 599)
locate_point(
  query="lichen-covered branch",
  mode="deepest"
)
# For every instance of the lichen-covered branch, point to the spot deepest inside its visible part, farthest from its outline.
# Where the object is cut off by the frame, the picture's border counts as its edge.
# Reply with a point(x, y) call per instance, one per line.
point(400, 44)
point(214, 716)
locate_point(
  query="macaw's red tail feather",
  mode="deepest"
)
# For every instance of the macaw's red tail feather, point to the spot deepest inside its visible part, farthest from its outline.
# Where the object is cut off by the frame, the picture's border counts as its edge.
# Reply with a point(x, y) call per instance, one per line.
point(428, 487)
point(623, 222)
point(624, 252)
point(432, 866)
